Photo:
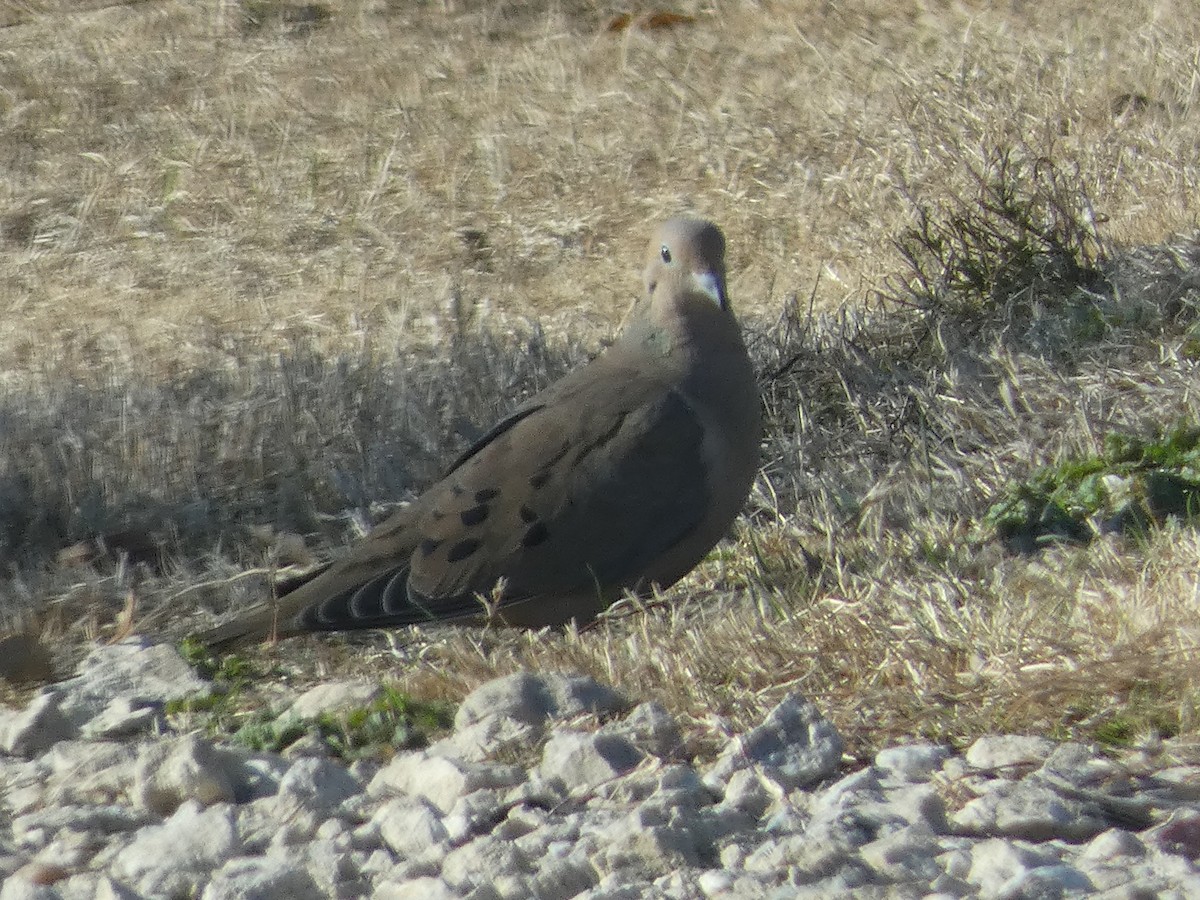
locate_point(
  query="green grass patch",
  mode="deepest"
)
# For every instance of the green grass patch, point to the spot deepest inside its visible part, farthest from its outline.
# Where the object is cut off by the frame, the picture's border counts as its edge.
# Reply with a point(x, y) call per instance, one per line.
point(1131, 485)
point(393, 721)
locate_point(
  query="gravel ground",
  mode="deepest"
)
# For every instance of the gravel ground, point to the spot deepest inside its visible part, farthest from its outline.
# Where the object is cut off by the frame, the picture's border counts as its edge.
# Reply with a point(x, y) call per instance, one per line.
point(100, 798)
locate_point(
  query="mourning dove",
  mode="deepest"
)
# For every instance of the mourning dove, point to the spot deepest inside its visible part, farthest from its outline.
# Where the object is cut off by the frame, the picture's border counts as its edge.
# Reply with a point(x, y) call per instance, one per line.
point(618, 477)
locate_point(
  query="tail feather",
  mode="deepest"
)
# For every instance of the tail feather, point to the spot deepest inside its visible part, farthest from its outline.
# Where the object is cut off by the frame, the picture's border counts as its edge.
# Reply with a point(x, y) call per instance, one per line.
point(274, 619)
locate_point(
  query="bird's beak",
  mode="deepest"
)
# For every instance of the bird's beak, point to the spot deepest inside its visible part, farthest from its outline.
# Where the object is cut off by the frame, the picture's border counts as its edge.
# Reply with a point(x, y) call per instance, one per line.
point(712, 285)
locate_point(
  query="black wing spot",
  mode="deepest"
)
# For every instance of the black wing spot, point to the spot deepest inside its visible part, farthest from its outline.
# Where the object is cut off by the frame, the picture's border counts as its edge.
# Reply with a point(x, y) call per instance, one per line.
point(600, 441)
point(535, 534)
point(429, 545)
point(475, 515)
point(463, 549)
point(554, 460)
point(538, 479)
point(486, 494)
point(527, 515)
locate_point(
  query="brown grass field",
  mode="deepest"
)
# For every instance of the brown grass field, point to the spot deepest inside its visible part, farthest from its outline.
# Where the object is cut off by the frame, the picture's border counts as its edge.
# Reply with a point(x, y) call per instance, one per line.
point(265, 266)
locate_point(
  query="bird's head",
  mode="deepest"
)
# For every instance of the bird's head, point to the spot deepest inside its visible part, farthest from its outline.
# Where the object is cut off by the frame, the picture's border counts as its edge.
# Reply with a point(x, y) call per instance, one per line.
point(687, 256)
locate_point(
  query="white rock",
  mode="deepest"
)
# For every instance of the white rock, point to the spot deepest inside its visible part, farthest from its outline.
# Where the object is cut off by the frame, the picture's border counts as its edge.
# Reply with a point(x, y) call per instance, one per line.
point(332, 866)
point(135, 669)
point(907, 855)
point(1182, 782)
point(619, 885)
point(36, 728)
point(90, 771)
point(122, 717)
point(508, 887)
point(255, 775)
point(534, 698)
point(17, 774)
point(69, 850)
point(773, 854)
point(832, 843)
point(534, 793)
point(637, 826)
point(36, 829)
point(487, 738)
point(262, 824)
point(1072, 758)
point(416, 889)
point(189, 768)
point(656, 778)
point(855, 789)
point(995, 862)
point(440, 780)
point(293, 832)
point(1113, 877)
point(682, 799)
point(332, 697)
point(911, 762)
point(919, 804)
point(520, 820)
point(795, 742)
point(956, 861)
point(751, 792)
point(309, 743)
point(1047, 882)
point(10, 860)
point(718, 823)
point(956, 771)
point(715, 883)
point(1113, 844)
point(579, 761)
point(20, 887)
point(25, 796)
point(733, 857)
point(381, 865)
point(334, 831)
point(842, 818)
point(258, 878)
point(789, 815)
point(650, 850)
point(847, 879)
point(678, 884)
point(316, 785)
point(1008, 750)
point(174, 858)
point(561, 879)
point(89, 886)
point(366, 837)
point(651, 728)
point(475, 814)
point(556, 833)
point(941, 892)
point(481, 861)
point(1173, 869)
point(1030, 811)
point(412, 827)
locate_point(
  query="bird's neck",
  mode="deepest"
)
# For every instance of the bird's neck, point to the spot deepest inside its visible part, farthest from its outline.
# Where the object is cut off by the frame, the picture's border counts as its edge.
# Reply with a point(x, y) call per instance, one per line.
point(689, 323)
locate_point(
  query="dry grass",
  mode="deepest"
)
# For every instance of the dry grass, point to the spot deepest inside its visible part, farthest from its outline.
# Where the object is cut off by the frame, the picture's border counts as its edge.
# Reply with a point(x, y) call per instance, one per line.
point(266, 267)
point(187, 181)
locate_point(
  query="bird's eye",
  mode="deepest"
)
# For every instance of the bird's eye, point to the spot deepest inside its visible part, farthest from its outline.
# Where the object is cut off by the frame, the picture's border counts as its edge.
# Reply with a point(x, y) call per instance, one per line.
point(665, 252)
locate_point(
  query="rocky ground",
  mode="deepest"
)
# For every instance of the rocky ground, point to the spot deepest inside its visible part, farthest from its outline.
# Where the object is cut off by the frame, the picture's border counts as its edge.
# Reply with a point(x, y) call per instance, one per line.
point(554, 786)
